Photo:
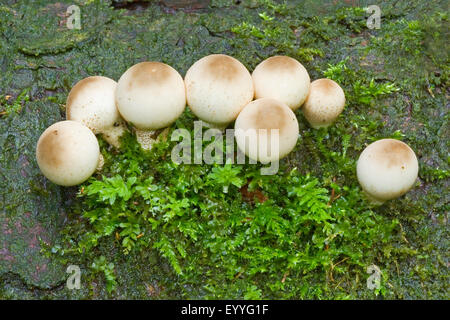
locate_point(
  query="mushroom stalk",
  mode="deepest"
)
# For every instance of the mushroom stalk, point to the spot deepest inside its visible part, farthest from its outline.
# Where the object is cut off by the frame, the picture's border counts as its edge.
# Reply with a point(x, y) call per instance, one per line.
point(146, 138)
point(101, 163)
point(112, 135)
point(372, 200)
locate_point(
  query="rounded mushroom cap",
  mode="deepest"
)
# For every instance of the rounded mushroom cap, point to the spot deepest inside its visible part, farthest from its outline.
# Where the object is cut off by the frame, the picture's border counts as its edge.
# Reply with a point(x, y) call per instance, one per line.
point(151, 95)
point(268, 114)
point(217, 88)
point(67, 153)
point(387, 169)
point(282, 78)
point(92, 102)
point(324, 103)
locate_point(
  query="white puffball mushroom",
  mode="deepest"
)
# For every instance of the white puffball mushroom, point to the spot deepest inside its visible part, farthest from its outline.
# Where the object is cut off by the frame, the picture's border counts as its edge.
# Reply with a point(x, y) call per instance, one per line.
point(282, 78)
point(387, 169)
point(217, 88)
point(92, 102)
point(258, 118)
point(150, 96)
point(324, 103)
point(67, 153)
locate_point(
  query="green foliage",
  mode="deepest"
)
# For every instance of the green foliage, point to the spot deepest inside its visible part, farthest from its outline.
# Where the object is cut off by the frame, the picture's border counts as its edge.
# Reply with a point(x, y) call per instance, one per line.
point(362, 91)
point(412, 36)
point(308, 54)
point(429, 173)
point(366, 93)
point(337, 72)
point(353, 18)
point(404, 36)
point(13, 107)
point(227, 229)
point(252, 293)
point(224, 176)
point(270, 34)
point(109, 189)
point(271, 30)
point(100, 265)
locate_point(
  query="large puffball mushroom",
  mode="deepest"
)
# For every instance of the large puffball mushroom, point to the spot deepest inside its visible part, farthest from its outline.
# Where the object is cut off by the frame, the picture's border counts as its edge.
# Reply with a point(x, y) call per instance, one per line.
point(324, 103)
point(150, 96)
point(217, 88)
point(67, 153)
point(254, 125)
point(92, 102)
point(282, 78)
point(387, 169)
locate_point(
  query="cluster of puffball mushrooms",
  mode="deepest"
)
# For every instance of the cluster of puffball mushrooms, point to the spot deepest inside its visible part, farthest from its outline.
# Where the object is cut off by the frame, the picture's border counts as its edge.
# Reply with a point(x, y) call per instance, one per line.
point(218, 89)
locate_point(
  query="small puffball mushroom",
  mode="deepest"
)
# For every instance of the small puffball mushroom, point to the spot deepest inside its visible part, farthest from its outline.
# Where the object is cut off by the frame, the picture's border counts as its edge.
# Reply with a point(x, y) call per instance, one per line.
point(151, 96)
point(387, 169)
point(259, 118)
point(92, 102)
point(282, 78)
point(67, 153)
point(217, 88)
point(324, 103)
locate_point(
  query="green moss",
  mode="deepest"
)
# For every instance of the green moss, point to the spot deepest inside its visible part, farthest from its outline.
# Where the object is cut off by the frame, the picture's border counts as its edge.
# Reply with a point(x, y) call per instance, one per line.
point(220, 242)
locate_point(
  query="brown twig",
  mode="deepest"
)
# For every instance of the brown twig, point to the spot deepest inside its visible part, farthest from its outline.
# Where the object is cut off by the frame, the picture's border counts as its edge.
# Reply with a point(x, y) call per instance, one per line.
point(284, 276)
point(239, 274)
point(334, 265)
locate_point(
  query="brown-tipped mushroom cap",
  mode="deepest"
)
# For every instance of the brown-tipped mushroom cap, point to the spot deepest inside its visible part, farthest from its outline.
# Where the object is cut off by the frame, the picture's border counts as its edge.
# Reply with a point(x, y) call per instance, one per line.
point(258, 118)
point(324, 103)
point(151, 95)
point(282, 78)
point(217, 88)
point(387, 169)
point(67, 153)
point(92, 102)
